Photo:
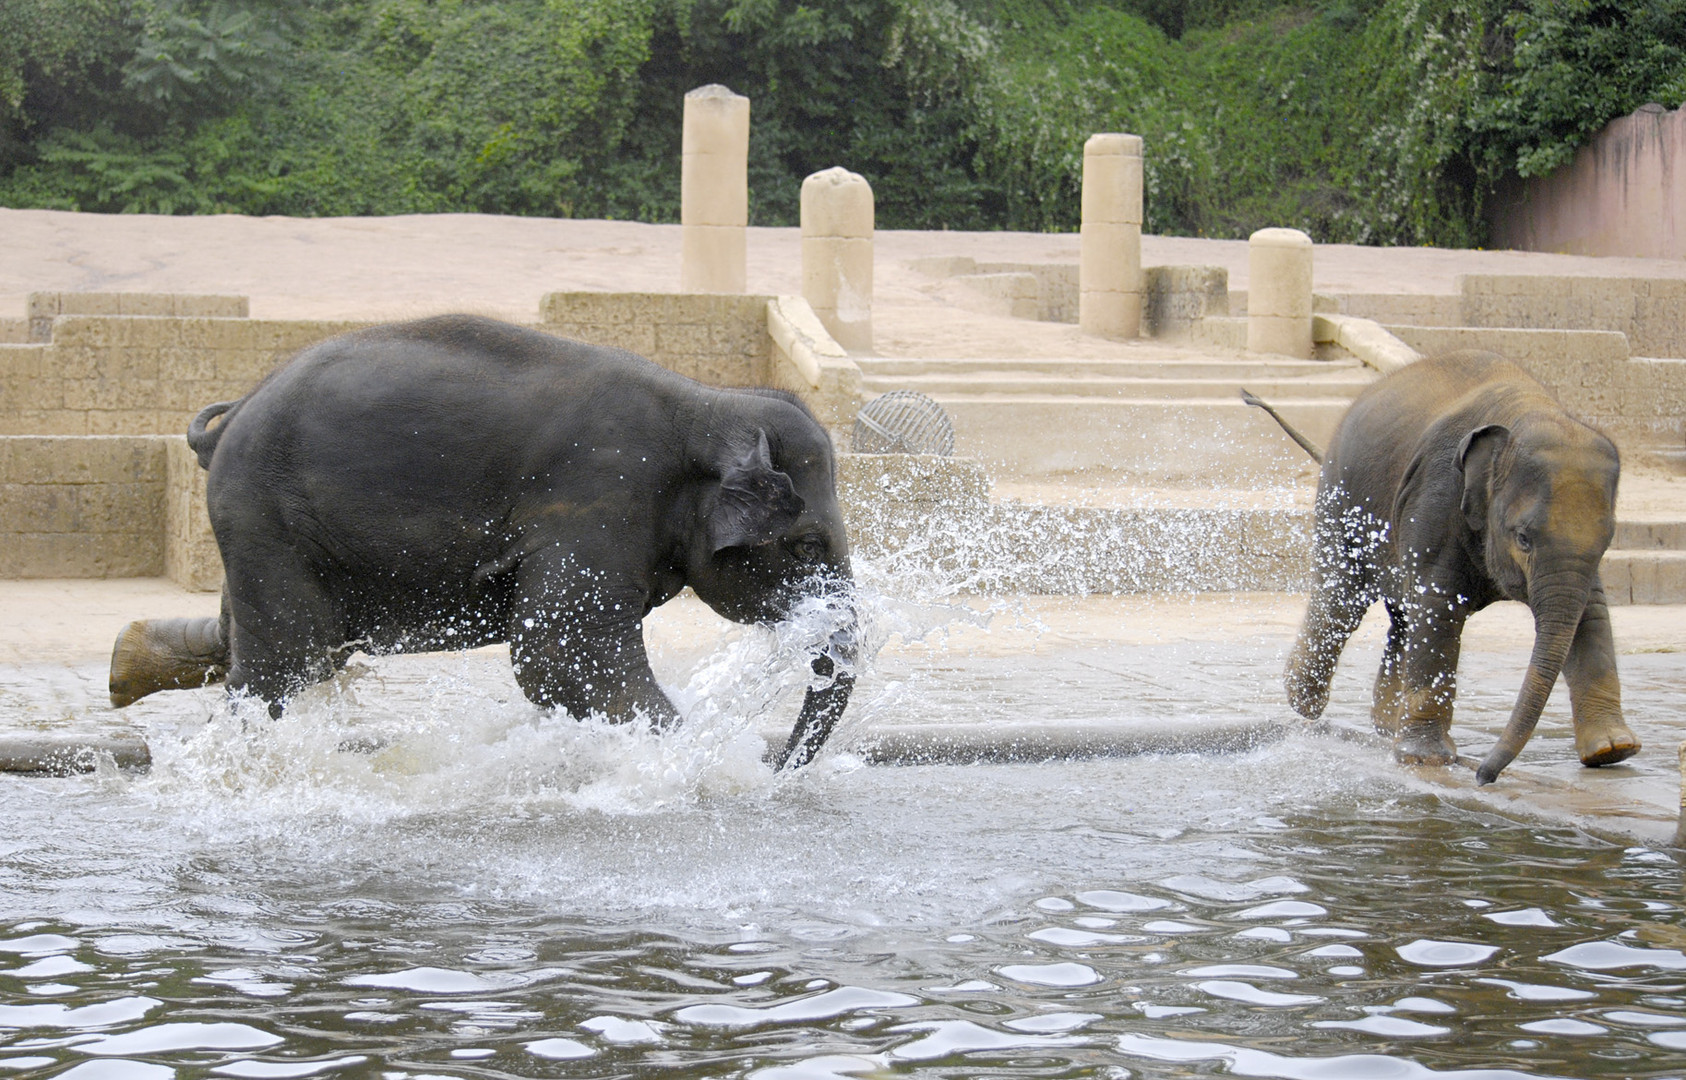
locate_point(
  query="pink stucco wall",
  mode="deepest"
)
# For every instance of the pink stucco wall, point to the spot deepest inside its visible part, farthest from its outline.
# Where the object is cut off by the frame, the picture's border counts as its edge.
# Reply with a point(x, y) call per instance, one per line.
point(1623, 194)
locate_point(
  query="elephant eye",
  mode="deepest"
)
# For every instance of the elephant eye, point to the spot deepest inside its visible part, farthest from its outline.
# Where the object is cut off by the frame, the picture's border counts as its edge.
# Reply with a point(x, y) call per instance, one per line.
point(1524, 542)
point(810, 549)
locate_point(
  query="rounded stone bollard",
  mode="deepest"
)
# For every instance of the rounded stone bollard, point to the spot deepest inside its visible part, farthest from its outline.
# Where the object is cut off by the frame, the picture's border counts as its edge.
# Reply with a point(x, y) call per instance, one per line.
point(1109, 272)
point(1279, 292)
point(714, 190)
point(837, 222)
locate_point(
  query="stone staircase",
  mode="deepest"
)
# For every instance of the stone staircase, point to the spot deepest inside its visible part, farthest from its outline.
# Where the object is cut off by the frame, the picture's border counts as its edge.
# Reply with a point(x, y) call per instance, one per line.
point(1129, 475)
point(1646, 562)
point(1165, 421)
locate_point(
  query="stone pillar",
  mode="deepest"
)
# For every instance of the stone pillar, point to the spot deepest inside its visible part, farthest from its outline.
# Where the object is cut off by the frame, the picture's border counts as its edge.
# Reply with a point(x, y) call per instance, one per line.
point(714, 190)
point(1279, 292)
point(1109, 271)
point(837, 255)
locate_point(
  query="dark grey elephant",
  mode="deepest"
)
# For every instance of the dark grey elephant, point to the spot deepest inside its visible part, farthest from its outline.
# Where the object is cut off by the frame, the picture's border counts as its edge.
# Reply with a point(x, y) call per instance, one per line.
point(456, 482)
point(1450, 484)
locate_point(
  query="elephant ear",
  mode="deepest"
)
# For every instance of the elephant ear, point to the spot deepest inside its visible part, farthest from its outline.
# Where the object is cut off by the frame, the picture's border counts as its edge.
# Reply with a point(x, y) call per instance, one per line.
point(755, 503)
point(1476, 455)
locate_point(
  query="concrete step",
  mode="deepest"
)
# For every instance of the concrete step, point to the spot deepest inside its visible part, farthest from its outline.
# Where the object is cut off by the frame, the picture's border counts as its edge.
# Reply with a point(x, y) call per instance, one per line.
point(945, 516)
point(1340, 386)
point(1238, 369)
point(1196, 442)
point(1649, 535)
point(1644, 577)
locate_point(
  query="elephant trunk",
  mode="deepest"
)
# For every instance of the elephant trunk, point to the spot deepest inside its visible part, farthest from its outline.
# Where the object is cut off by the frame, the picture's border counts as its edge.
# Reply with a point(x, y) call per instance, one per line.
point(1557, 614)
point(823, 706)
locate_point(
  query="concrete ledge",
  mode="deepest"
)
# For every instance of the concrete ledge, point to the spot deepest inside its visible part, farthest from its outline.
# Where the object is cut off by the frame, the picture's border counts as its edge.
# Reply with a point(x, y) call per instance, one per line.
point(1025, 744)
point(44, 307)
point(1368, 341)
point(1650, 311)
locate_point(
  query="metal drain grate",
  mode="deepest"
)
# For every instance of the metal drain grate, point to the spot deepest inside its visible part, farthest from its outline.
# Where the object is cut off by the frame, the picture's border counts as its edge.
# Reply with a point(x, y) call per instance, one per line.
point(903, 422)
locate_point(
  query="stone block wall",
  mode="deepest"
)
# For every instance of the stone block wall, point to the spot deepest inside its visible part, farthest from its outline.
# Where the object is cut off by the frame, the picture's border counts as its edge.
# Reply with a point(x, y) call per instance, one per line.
point(1176, 298)
point(191, 558)
point(716, 339)
point(1638, 401)
point(722, 340)
point(44, 307)
point(82, 507)
point(1650, 311)
point(140, 375)
point(1414, 309)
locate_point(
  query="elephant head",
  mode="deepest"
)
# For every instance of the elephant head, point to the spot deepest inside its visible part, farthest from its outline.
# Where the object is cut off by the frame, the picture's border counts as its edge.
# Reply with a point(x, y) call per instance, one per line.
point(1541, 494)
point(769, 534)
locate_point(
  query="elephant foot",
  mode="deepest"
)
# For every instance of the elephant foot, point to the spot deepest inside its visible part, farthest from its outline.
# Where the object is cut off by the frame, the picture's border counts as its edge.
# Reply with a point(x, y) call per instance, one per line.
point(1421, 744)
point(165, 654)
point(1605, 743)
point(1307, 695)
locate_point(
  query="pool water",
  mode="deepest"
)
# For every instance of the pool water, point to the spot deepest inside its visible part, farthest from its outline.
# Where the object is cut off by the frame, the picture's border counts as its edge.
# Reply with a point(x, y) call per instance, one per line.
point(417, 874)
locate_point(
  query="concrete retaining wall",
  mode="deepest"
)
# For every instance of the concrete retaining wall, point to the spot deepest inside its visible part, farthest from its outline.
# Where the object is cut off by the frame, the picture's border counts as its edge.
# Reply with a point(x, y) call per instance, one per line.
point(1650, 311)
point(1624, 193)
point(1640, 402)
point(44, 307)
point(717, 339)
point(140, 375)
point(76, 507)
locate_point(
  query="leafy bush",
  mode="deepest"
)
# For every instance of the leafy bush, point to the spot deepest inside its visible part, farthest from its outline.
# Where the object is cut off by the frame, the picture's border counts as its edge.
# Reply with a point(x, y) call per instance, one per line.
point(1360, 120)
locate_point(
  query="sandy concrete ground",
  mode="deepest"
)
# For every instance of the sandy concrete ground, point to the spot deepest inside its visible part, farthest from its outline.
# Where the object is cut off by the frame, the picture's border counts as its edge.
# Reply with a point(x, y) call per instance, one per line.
point(398, 267)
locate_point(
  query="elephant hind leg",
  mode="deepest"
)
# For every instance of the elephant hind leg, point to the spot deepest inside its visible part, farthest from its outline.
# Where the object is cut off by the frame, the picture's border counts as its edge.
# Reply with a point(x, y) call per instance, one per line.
point(1387, 703)
point(1330, 619)
point(284, 631)
point(166, 654)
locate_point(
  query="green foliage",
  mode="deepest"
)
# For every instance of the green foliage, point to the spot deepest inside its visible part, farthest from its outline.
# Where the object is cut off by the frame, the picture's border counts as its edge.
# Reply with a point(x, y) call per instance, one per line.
point(1357, 120)
point(206, 56)
point(1566, 68)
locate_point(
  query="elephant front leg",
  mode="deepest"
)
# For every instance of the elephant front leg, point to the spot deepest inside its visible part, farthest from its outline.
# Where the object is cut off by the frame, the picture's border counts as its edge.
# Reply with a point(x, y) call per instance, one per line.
point(584, 652)
point(1430, 685)
point(1602, 737)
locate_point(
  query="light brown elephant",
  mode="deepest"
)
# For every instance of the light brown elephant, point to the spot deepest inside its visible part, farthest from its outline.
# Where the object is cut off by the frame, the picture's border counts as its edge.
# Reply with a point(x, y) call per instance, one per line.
point(1449, 484)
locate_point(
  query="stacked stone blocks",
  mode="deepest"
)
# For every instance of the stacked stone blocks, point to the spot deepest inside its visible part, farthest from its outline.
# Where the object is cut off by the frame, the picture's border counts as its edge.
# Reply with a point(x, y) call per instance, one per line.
point(44, 307)
point(1650, 311)
point(81, 507)
point(716, 339)
point(137, 375)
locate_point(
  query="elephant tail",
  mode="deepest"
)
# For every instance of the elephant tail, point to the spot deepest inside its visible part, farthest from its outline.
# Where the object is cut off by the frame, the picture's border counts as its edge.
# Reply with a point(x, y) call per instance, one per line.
point(203, 442)
point(1306, 444)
